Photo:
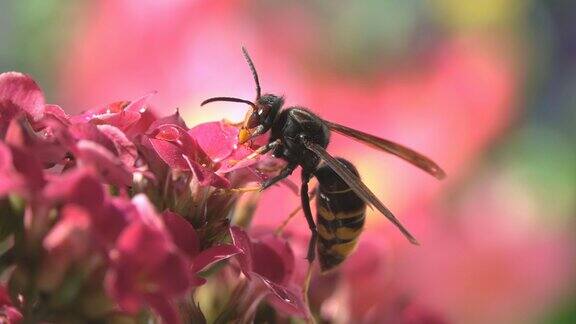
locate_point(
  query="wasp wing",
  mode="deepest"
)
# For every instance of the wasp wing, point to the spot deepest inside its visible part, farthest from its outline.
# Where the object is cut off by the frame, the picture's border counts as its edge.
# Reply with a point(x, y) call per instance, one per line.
point(401, 151)
point(358, 186)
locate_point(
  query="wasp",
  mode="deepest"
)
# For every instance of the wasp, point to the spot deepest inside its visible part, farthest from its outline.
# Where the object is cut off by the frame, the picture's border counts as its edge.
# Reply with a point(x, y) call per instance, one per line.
point(340, 214)
point(300, 137)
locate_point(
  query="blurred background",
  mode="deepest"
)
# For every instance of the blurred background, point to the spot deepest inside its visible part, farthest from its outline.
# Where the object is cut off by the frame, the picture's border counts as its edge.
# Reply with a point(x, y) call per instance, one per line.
point(485, 88)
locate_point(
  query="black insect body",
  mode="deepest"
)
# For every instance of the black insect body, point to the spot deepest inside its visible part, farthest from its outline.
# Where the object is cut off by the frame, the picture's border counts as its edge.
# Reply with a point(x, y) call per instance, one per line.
point(340, 214)
point(300, 137)
point(293, 128)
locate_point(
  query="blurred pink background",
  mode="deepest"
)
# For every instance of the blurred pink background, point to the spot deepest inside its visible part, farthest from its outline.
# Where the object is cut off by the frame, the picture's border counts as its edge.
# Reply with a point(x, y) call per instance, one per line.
point(468, 84)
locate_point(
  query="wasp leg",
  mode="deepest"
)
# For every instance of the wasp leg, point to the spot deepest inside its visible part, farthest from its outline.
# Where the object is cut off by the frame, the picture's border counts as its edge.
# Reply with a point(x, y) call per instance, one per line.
point(305, 289)
point(283, 174)
point(242, 189)
point(259, 151)
point(308, 213)
point(263, 149)
point(312, 244)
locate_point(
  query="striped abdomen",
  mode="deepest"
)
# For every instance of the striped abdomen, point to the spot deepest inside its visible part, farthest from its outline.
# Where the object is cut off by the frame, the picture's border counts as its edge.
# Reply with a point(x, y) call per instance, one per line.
point(339, 216)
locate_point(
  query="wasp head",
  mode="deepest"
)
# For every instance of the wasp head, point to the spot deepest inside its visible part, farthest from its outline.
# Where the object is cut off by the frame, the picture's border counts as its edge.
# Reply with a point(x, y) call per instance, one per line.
point(262, 117)
point(264, 109)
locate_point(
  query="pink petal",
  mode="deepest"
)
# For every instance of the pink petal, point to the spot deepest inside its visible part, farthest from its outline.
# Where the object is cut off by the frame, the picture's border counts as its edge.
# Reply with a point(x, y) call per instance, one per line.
point(287, 300)
point(241, 240)
point(212, 255)
point(207, 177)
point(273, 258)
point(182, 232)
point(69, 238)
point(57, 113)
point(54, 117)
point(13, 314)
point(146, 212)
point(108, 166)
point(172, 277)
point(20, 90)
point(4, 296)
point(5, 158)
point(112, 114)
point(267, 263)
point(110, 220)
point(46, 151)
point(11, 184)
point(184, 143)
point(217, 139)
point(122, 120)
point(157, 166)
point(142, 125)
point(8, 111)
point(173, 119)
point(168, 133)
point(19, 172)
point(127, 151)
point(220, 141)
point(91, 132)
point(173, 145)
point(30, 169)
point(143, 245)
point(78, 186)
point(140, 105)
point(170, 154)
point(19, 133)
point(180, 151)
point(119, 284)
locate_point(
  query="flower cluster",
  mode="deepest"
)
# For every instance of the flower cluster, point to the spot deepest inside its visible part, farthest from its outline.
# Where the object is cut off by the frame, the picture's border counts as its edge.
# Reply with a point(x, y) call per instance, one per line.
point(117, 214)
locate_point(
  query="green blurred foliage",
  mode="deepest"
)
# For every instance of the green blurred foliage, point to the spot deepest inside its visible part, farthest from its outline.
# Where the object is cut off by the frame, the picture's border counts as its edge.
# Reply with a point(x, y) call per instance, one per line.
point(34, 35)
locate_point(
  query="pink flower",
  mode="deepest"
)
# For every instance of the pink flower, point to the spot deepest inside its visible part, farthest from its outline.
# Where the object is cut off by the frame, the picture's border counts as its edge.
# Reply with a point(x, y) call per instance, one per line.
point(186, 239)
point(8, 313)
point(68, 242)
point(20, 172)
point(156, 260)
point(269, 263)
point(108, 166)
point(146, 267)
point(69, 237)
point(75, 174)
point(47, 147)
point(80, 187)
point(19, 94)
point(122, 114)
point(220, 141)
point(180, 151)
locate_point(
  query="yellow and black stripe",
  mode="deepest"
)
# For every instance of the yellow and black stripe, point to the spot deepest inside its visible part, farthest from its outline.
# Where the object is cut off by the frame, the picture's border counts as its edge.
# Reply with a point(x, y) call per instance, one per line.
point(340, 217)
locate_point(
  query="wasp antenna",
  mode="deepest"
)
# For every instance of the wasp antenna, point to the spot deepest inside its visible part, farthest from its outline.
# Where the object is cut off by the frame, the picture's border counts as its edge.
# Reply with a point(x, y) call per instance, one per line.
point(253, 69)
point(230, 99)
